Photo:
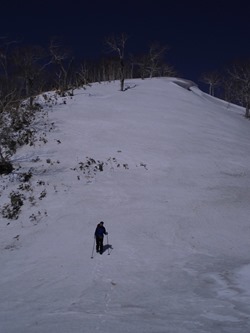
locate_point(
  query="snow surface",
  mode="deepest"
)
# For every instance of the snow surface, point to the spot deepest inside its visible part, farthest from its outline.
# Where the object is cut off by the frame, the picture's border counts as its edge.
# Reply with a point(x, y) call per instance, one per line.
point(173, 194)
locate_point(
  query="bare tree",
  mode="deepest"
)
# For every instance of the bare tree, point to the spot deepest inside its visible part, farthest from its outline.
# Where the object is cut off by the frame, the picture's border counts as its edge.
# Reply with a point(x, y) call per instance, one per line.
point(29, 63)
point(213, 79)
point(82, 75)
point(167, 70)
point(152, 64)
point(8, 97)
point(109, 69)
point(155, 57)
point(141, 62)
point(62, 58)
point(229, 89)
point(239, 73)
point(9, 87)
point(117, 45)
point(6, 48)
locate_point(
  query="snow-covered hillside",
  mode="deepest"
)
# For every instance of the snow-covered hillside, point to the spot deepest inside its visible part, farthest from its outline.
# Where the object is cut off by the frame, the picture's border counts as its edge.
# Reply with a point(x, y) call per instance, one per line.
point(168, 171)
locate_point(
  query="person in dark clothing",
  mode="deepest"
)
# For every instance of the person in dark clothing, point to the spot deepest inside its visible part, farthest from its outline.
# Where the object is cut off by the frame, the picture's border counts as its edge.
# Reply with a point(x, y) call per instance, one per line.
point(100, 231)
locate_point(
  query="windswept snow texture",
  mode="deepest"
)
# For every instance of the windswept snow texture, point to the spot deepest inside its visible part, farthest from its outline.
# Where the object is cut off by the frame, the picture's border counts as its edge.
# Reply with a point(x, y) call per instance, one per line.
point(168, 171)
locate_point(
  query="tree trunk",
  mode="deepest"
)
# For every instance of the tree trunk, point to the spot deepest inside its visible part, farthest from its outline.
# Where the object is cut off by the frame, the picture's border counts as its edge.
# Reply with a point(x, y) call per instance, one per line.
point(247, 111)
point(122, 75)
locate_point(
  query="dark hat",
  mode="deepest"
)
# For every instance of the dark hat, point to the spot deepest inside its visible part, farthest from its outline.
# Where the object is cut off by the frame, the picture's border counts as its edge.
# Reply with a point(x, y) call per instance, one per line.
point(101, 222)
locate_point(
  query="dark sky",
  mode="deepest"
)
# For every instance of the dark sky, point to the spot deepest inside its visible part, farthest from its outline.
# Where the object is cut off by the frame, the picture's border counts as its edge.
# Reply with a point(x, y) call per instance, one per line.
point(202, 35)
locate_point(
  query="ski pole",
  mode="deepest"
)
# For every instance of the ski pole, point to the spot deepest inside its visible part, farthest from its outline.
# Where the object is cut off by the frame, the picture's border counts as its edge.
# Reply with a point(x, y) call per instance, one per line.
point(92, 256)
point(108, 243)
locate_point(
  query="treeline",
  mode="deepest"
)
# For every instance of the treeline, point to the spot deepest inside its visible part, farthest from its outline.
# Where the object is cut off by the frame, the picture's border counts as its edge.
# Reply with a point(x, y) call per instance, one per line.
point(29, 70)
point(231, 84)
point(26, 71)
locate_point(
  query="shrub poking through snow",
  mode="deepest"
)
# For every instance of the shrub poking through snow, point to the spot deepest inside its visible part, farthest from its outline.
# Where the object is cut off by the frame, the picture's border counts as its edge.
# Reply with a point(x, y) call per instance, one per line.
point(11, 211)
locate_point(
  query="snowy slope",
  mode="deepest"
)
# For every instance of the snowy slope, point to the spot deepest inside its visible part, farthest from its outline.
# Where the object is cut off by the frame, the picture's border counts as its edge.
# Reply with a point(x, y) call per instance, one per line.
point(167, 170)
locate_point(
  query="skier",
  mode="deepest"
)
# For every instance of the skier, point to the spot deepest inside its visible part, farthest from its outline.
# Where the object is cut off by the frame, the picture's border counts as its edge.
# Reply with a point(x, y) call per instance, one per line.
point(100, 231)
